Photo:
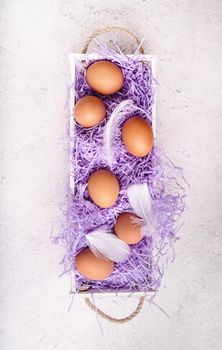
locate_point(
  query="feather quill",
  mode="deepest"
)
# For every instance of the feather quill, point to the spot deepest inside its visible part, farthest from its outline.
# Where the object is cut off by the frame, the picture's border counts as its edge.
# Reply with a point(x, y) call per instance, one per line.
point(108, 245)
point(140, 201)
point(117, 113)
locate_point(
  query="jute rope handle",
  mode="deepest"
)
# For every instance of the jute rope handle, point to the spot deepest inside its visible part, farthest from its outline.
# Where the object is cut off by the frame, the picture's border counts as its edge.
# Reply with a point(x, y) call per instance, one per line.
point(113, 319)
point(110, 30)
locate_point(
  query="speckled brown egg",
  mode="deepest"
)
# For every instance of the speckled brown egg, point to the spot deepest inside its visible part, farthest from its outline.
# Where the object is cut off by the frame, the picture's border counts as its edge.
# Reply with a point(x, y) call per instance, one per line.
point(103, 187)
point(127, 229)
point(93, 267)
point(89, 111)
point(137, 136)
point(104, 77)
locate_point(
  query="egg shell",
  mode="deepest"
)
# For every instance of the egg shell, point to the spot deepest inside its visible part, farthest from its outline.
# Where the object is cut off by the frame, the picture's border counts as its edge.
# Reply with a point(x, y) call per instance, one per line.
point(104, 77)
point(93, 267)
point(137, 136)
point(127, 230)
point(103, 188)
point(89, 111)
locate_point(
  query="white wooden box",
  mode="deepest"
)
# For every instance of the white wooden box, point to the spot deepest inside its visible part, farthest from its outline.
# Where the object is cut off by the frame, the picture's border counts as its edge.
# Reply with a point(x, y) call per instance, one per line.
point(94, 56)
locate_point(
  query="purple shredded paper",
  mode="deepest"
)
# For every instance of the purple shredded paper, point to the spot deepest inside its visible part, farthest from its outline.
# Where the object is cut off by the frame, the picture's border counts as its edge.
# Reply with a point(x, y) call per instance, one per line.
point(145, 267)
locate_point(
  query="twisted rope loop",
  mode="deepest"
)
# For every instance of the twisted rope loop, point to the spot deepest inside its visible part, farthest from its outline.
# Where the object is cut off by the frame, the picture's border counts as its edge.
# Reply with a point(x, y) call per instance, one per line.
point(113, 319)
point(109, 30)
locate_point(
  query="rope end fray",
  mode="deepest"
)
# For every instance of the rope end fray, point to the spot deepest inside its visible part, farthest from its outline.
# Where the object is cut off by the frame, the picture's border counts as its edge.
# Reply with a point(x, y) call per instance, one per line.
point(140, 48)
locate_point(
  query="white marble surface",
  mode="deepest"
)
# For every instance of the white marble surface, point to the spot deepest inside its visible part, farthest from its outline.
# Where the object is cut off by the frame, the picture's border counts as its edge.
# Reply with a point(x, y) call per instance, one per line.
point(36, 37)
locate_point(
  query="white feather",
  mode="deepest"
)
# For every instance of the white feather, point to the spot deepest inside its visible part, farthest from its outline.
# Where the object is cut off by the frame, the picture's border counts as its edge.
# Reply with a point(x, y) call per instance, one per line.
point(140, 201)
point(108, 245)
point(110, 127)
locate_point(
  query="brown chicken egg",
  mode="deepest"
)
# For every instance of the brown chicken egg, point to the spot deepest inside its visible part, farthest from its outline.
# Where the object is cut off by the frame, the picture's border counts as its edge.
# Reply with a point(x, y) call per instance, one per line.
point(103, 188)
point(104, 77)
point(93, 267)
point(126, 229)
point(137, 136)
point(89, 111)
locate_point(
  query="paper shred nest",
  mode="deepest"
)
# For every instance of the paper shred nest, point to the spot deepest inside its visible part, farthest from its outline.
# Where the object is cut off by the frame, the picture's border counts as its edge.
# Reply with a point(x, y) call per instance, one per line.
point(145, 267)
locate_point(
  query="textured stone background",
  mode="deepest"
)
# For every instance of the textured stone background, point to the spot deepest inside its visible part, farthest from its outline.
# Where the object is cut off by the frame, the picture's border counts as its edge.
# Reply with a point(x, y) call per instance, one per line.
point(36, 37)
